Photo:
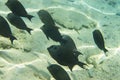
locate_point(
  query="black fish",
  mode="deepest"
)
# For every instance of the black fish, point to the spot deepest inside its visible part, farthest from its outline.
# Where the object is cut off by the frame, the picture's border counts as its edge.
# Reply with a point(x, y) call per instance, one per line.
point(46, 18)
point(18, 22)
point(49, 28)
point(5, 29)
point(64, 57)
point(17, 8)
point(98, 38)
point(58, 72)
point(53, 33)
point(70, 45)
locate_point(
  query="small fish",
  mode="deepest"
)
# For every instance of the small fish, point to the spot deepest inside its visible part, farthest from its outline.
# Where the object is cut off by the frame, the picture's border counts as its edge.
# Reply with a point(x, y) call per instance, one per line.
point(58, 72)
point(18, 9)
point(64, 57)
point(98, 38)
point(70, 45)
point(46, 18)
point(18, 22)
point(5, 30)
point(53, 33)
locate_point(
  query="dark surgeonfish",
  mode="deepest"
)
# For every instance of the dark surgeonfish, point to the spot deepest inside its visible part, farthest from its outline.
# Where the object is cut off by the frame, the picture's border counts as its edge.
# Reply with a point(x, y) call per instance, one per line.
point(58, 72)
point(46, 18)
point(53, 33)
point(5, 30)
point(64, 57)
point(18, 22)
point(49, 28)
point(70, 45)
point(18, 9)
point(98, 38)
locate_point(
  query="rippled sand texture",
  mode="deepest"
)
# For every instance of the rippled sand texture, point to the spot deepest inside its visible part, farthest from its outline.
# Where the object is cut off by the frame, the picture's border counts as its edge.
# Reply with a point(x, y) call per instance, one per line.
point(28, 57)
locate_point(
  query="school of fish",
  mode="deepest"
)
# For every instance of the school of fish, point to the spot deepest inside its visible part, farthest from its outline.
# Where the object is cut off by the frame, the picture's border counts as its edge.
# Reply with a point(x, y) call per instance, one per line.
point(65, 54)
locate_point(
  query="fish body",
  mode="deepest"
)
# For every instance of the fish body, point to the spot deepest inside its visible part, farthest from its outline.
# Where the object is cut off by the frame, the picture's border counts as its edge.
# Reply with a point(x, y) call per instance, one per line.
point(5, 29)
point(58, 72)
point(18, 9)
point(63, 56)
point(49, 28)
point(52, 32)
point(99, 41)
point(18, 22)
point(46, 18)
point(70, 45)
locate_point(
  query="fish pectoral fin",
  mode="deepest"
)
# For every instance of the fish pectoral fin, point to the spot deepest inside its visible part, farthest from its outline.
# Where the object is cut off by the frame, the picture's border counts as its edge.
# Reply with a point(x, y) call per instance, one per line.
point(44, 31)
point(70, 67)
point(81, 64)
point(57, 27)
point(77, 53)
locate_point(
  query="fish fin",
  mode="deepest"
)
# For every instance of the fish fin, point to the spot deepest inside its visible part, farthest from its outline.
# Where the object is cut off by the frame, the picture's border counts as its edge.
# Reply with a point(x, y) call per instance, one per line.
point(12, 38)
point(62, 41)
point(105, 50)
point(42, 28)
point(77, 53)
point(47, 36)
point(70, 67)
point(29, 30)
point(81, 64)
point(30, 17)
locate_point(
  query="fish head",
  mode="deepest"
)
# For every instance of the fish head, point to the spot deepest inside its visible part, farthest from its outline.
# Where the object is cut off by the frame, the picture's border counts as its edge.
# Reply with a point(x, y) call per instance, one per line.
point(53, 48)
point(41, 14)
point(69, 44)
point(55, 52)
point(68, 39)
point(9, 15)
point(53, 68)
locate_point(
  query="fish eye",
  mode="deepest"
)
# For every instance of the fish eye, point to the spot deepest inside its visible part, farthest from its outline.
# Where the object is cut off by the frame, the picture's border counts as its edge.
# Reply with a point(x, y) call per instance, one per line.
point(52, 46)
point(55, 47)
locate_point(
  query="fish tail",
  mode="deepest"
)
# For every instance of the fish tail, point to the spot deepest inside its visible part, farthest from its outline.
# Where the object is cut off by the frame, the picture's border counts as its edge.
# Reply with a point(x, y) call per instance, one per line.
point(29, 30)
point(81, 64)
point(105, 50)
point(30, 17)
point(12, 38)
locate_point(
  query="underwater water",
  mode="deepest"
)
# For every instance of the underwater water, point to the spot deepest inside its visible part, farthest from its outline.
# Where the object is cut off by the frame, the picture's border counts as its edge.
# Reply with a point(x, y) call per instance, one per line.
point(27, 58)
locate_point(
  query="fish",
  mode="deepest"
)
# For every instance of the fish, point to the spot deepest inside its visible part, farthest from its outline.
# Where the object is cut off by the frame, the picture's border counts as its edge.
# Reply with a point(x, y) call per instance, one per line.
point(5, 30)
point(99, 41)
point(49, 28)
point(18, 22)
point(58, 72)
point(46, 18)
point(53, 33)
point(64, 57)
point(70, 45)
point(18, 9)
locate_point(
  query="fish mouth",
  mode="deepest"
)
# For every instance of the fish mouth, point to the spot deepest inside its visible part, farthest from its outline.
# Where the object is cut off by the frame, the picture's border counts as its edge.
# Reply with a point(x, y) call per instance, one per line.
point(6, 3)
point(49, 48)
point(50, 67)
point(52, 47)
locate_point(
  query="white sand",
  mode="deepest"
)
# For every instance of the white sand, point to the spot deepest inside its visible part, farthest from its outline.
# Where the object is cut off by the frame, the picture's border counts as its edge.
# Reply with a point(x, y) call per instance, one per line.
point(28, 58)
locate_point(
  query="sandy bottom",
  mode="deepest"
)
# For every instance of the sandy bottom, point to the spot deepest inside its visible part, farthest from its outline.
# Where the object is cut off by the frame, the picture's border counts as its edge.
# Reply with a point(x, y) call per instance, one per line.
point(27, 58)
